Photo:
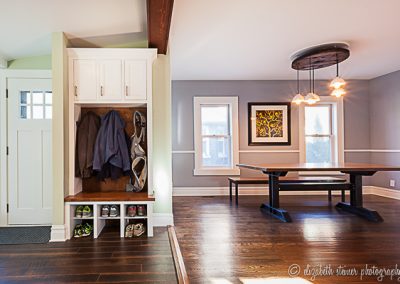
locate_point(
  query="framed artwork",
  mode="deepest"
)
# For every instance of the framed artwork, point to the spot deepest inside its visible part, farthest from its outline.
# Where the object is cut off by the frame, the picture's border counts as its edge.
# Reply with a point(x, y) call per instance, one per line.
point(269, 124)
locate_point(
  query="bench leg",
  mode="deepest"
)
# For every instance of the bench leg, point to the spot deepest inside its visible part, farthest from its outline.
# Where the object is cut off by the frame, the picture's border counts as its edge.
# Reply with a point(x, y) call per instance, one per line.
point(230, 192)
point(343, 196)
point(237, 193)
point(330, 195)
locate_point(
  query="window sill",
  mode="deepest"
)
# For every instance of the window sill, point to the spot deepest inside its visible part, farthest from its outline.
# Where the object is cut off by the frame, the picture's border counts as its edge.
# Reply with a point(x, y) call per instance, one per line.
point(216, 172)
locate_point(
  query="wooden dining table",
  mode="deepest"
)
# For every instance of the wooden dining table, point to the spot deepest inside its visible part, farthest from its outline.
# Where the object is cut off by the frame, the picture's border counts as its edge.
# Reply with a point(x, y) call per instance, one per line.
point(356, 171)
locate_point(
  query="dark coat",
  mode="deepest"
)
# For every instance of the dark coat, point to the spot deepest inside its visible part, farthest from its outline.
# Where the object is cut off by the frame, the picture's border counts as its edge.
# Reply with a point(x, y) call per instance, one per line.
point(86, 134)
point(111, 152)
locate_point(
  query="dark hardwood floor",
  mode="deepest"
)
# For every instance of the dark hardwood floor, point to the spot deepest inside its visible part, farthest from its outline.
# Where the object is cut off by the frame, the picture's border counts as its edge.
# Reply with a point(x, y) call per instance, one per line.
point(222, 243)
point(108, 259)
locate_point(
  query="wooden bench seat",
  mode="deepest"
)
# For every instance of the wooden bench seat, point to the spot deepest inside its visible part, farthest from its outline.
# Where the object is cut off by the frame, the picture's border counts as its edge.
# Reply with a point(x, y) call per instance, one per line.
point(293, 183)
point(109, 196)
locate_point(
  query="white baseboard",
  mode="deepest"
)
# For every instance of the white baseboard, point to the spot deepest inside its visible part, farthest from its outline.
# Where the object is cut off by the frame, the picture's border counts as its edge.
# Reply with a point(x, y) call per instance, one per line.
point(57, 233)
point(382, 191)
point(163, 219)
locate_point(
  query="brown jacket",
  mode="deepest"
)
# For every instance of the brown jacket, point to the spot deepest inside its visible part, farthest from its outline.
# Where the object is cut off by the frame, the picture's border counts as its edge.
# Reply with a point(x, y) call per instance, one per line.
point(86, 134)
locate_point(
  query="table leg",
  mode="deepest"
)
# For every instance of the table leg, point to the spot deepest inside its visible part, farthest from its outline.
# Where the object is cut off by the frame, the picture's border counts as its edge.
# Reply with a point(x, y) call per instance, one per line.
point(272, 207)
point(237, 193)
point(230, 191)
point(356, 201)
point(343, 196)
point(330, 195)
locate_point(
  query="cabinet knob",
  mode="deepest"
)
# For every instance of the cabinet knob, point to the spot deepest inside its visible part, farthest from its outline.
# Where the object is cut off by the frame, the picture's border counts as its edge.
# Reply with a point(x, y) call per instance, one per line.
point(126, 91)
point(76, 91)
point(101, 91)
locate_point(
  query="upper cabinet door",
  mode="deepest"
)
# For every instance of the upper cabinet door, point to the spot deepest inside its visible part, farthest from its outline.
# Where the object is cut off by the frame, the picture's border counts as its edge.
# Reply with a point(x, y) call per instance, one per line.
point(85, 84)
point(135, 80)
point(110, 80)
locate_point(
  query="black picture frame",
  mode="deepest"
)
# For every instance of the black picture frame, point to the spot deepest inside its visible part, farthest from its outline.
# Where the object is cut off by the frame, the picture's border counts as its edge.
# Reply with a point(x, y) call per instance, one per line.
point(250, 125)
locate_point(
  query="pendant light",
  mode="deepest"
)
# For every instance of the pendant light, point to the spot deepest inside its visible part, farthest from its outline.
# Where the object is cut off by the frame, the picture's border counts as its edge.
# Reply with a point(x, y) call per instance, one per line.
point(298, 98)
point(337, 82)
point(312, 97)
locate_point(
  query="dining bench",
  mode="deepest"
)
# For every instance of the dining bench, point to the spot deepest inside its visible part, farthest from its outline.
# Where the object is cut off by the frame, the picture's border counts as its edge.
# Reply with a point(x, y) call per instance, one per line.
point(294, 183)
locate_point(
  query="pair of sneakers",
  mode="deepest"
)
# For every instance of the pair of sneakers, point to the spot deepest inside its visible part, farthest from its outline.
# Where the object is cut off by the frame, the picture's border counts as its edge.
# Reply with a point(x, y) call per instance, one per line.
point(110, 211)
point(134, 230)
point(133, 210)
point(83, 230)
point(83, 211)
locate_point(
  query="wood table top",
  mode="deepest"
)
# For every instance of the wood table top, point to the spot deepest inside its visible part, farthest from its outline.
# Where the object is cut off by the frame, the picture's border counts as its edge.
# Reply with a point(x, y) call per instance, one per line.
point(342, 167)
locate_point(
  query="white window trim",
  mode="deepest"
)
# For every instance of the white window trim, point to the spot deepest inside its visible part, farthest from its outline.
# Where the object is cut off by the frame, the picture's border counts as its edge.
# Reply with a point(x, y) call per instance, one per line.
point(337, 129)
point(234, 119)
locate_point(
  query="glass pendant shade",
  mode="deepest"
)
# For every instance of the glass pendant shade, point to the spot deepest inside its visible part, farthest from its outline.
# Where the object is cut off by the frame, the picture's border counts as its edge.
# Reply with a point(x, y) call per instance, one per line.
point(337, 83)
point(312, 98)
point(338, 93)
point(298, 99)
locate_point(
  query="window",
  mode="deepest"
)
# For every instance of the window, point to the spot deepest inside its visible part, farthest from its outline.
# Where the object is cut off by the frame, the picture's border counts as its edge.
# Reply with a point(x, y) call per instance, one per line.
point(321, 131)
point(36, 105)
point(216, 135)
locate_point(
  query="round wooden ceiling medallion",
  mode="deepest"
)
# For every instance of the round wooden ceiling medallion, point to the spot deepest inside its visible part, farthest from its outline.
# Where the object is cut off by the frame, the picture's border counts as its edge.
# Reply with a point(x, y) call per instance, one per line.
point(320, 56)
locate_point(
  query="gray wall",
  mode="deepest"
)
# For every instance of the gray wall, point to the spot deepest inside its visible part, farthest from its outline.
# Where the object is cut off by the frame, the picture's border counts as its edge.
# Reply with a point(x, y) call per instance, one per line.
point(357, 135)
point(385, 125)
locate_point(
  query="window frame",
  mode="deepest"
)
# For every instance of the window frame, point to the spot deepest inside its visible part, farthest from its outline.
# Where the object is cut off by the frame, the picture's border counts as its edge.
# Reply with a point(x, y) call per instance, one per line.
point(337, 132)
point(232, 102)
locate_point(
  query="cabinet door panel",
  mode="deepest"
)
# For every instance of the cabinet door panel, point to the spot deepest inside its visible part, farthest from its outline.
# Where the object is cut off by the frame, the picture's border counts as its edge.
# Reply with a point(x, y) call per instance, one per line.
point(85, 80)
point(110, 75)
point(135, 80)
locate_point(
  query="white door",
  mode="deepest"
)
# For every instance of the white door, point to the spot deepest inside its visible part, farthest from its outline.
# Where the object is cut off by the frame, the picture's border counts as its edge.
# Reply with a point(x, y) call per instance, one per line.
point(29, 147)
point(110, 75)
point(135, 80)
point(85, 84)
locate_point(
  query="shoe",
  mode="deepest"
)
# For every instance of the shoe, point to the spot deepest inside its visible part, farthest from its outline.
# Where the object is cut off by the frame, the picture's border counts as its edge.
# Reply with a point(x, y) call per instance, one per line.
point(131, 211)
point(87, 230)
point(105, 211)
point(129, 231)
point(79, 211)
point(114, 211)
point(78, 231)
point(138, 230)
point(141, 210)
point(87, 212)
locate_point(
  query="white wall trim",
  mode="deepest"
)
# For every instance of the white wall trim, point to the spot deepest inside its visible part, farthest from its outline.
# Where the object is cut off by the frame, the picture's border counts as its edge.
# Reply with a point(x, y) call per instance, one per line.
point(57, 233)
point(163, 219)
point(298, 151)
point(372, 150)
point(382, 191)
point(183, 152)
point(269, 151)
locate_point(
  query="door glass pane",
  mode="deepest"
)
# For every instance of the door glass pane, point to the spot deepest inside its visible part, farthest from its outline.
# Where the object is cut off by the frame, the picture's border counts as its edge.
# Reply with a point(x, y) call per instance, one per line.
point(48, 112)
point(37, 112)
point(25, 97)
point(215, 119)
point(217, 152)
point(318, 150)
point(37, 98)
point(23, 112)
point(317, 120)
point(48, 98)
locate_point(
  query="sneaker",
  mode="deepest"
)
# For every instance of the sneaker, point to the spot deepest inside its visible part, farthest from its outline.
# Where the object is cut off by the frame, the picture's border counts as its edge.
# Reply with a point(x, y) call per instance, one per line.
point(131, 211)
point(141, 210)
point(78, 232)
point(138, 230)
point(79, 211)
point(105, 211)
point(87, 230)
point(129, 231)
point(114, 211)
point(87, 212)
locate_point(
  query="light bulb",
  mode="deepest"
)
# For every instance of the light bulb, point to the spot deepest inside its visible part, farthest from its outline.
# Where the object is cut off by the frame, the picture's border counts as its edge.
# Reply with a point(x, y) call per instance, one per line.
point(312, 98)
point(338, 92)
point(337, 83)
point(298, 99)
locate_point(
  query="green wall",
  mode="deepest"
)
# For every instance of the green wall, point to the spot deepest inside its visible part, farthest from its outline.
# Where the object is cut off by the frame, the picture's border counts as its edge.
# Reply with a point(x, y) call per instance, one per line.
point(37, 62)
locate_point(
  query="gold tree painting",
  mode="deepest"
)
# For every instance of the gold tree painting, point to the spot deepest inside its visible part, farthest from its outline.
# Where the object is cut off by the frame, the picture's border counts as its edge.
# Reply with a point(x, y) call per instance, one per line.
point(269, 123)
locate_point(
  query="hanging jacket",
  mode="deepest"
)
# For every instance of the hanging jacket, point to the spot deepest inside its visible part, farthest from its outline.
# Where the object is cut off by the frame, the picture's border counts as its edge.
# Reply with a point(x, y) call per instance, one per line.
point(111, 154)
point(86, 134)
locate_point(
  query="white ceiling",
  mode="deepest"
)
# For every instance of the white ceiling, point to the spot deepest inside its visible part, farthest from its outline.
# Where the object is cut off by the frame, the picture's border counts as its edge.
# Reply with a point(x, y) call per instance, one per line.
point(26, 25)
point(254, 39)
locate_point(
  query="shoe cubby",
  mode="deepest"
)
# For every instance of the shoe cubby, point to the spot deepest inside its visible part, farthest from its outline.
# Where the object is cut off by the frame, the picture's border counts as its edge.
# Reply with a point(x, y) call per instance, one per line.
point(81, 221)
point(134, 222)
point(111, 211)
point(100, 222)
point(88, 216)
point(140, 211)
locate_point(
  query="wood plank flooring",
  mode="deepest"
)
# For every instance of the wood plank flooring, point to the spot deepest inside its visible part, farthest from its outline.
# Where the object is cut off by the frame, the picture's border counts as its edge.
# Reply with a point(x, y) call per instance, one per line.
point(223, 244)
point(108, 259)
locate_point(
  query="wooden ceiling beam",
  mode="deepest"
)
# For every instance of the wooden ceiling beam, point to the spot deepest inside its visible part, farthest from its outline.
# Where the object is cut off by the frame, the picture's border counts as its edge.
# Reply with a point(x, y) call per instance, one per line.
point(159, 14)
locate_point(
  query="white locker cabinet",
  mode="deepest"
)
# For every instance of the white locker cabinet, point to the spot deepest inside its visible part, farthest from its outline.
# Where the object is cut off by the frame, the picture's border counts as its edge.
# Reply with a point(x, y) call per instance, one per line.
point(84, 80)
point(135, 80)
point(110, 80)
